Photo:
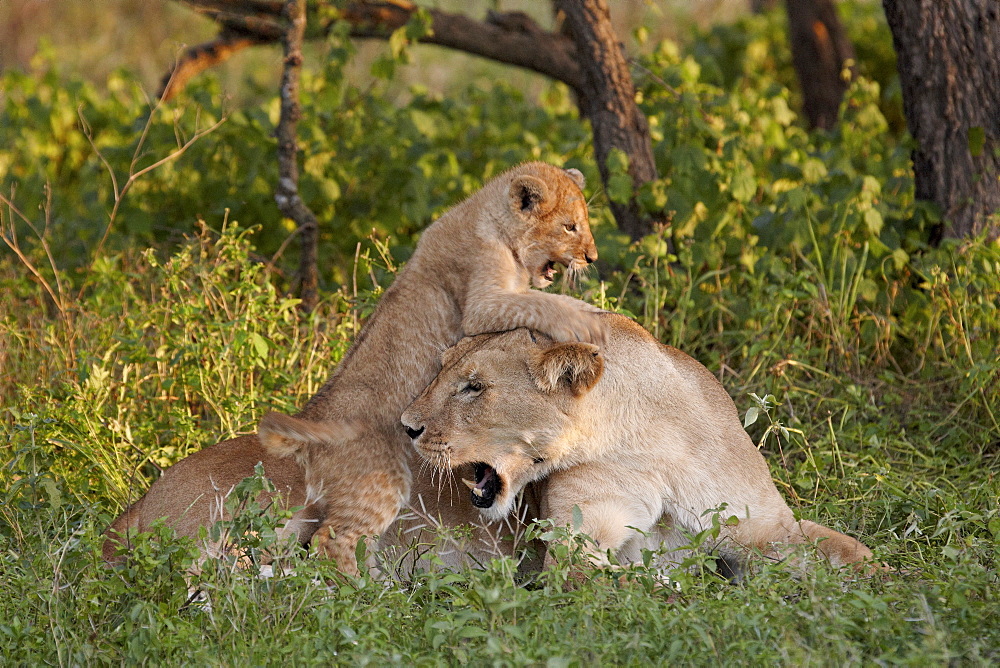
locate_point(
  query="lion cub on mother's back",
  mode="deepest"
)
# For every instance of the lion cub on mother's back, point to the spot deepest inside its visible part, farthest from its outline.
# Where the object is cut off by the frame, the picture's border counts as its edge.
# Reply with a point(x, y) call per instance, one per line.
point(471, 273)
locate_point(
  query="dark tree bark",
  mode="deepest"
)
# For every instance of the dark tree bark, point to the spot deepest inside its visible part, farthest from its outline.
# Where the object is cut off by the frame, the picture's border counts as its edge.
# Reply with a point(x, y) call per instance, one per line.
point(287, 192)
point(761, 6)
point(605, 89)
point(820, 50)
point(607, 99)
point(949, 68)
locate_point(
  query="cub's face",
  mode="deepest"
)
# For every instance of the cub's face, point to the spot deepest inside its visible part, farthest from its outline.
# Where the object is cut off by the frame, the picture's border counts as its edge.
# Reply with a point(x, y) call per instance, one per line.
point(499, 413)
point(549, 205)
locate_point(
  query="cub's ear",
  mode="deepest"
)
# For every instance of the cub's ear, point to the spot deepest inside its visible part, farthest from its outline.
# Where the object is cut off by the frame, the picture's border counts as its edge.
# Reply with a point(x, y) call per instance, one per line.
point(284, 435)
point(578, 365)
point(529, 196)
point(577, 177)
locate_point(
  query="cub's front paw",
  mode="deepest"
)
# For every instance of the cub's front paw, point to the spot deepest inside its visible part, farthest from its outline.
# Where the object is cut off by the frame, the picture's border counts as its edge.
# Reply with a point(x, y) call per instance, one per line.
point(579, 325)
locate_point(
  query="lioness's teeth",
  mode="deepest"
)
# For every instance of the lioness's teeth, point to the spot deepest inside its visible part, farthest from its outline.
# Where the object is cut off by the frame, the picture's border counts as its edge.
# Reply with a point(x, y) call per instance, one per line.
point(478, 492)
point(468, 483)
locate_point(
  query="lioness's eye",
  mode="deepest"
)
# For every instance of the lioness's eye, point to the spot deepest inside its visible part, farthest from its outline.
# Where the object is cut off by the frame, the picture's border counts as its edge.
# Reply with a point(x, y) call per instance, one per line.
point(570, 227)
point(472, 387)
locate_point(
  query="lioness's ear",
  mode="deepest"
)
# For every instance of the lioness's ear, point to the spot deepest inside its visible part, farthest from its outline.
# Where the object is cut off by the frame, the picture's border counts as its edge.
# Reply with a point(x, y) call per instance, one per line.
point(461, 349)
point(529, 195)
point(579, 365)
point(577, 177)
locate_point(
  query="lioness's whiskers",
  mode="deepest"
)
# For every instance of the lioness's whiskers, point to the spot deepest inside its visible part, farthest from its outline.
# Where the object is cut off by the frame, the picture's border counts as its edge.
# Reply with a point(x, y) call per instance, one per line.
point(452, 485)
point(423, 468)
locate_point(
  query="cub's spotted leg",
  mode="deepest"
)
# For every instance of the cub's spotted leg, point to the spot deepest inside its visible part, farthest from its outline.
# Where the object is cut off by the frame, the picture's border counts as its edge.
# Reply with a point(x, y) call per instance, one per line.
point(363, 506)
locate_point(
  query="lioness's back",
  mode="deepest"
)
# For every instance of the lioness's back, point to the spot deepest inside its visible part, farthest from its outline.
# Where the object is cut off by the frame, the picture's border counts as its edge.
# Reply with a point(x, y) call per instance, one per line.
point(638, 357)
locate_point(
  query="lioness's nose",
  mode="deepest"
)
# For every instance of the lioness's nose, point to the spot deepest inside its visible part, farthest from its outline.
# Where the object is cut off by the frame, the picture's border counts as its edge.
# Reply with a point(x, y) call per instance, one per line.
point(591, 255)
point(414, 433)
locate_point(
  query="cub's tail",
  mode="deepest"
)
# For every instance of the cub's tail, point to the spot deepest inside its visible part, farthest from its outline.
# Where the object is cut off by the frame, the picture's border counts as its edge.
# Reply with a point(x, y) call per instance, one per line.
point(286, 436)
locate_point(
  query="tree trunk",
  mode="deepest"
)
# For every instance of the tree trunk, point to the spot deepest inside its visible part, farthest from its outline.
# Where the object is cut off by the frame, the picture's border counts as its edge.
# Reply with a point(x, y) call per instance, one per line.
point(949, 68)
point(820, 50)
point(607, 99)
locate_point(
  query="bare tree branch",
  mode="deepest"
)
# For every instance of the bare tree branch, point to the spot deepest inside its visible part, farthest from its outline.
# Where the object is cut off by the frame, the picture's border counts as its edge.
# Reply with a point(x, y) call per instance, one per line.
point(197, 59)
point(287, 192)
point(518, 42)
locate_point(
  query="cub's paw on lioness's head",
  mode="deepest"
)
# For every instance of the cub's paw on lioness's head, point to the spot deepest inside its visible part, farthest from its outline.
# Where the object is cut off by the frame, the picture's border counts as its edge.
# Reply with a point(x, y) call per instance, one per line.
point(537, 223)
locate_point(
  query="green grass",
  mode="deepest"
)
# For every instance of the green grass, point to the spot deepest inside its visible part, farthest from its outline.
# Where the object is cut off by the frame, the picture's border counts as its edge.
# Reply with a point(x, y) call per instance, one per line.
point(799, 275)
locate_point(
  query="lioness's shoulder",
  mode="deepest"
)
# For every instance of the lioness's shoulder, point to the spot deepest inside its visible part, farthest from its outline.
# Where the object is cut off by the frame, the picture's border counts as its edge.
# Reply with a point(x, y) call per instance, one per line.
point(632, 340)
point(627, 329)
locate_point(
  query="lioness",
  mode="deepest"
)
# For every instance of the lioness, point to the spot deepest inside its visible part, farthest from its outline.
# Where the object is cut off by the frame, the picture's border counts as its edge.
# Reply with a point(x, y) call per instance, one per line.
point(639, 436)
point(470, 273)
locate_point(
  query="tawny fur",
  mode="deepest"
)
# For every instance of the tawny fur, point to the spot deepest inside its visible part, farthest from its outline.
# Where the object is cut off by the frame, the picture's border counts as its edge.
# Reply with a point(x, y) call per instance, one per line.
point(193, 492)
point(471, 273)
point(641, 438)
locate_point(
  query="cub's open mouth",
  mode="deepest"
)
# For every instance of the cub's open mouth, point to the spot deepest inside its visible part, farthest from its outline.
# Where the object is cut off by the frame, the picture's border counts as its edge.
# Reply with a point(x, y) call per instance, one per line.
point(546, 274)
point(549, 270)
point(487, 486)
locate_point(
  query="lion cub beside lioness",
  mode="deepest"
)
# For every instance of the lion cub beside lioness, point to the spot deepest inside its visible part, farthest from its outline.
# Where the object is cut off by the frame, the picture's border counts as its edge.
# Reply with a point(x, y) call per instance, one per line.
point(471, 273)
point(639, 436)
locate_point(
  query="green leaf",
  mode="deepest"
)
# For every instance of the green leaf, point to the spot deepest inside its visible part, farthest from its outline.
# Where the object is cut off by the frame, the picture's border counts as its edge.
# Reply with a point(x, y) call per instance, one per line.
point(873, 221)
point(383, 67)
point(620, 188)
point(469, 632)
point(743, 185)
point(259, 344)
point(420, 25)
point(52, 492)
point(398, 42)
point(617, 161)
point(577, 518)
point(814, 170)
point(868, 289)
point(900, 258)
point(751, 416)
point(977, 139)
point(330, 190)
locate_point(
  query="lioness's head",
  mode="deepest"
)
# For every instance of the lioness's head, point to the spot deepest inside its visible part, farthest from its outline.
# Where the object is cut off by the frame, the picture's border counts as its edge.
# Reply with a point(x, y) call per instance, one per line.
point(499, 412)
point(555, 229)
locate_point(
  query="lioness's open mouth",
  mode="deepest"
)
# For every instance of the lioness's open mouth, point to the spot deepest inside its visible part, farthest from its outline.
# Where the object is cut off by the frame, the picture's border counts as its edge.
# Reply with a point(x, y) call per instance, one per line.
point(487, 486)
